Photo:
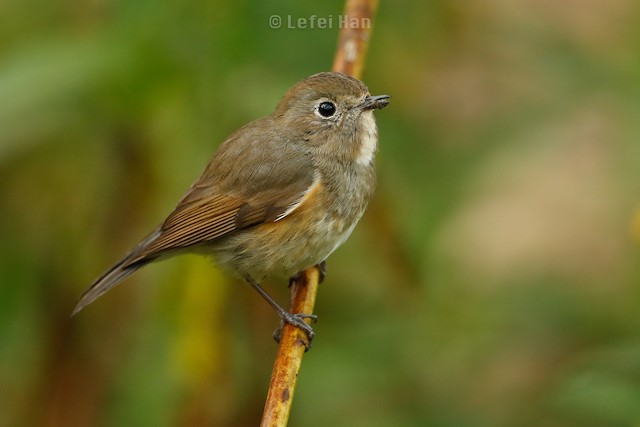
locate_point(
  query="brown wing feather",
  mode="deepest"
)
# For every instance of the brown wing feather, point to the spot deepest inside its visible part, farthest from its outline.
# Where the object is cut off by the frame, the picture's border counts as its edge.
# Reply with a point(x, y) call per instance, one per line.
point(193, 223)
point(273, 175)
point(199, 221)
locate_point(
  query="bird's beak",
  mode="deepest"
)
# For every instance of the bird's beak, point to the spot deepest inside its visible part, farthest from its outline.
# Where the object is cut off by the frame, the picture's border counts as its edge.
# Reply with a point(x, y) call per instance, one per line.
point(375, 102)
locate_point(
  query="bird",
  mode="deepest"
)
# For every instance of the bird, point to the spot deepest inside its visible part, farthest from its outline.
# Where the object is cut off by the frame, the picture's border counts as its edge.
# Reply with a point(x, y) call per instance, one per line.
point(279, 195)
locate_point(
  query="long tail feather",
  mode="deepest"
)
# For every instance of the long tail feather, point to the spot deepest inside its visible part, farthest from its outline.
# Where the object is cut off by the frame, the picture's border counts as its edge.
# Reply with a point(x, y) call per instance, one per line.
point(116, 274)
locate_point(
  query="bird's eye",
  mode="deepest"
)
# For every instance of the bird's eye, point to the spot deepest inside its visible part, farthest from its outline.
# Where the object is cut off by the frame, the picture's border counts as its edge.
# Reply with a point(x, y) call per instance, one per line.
point(327, 109)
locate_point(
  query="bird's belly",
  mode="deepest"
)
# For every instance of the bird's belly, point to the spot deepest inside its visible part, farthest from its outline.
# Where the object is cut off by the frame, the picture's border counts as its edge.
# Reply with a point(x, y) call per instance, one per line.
point(285, 247)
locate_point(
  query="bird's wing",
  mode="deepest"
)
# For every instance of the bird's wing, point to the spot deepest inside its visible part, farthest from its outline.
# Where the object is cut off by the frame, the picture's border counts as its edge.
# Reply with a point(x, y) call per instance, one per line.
point(244, 185)
point(216, 216)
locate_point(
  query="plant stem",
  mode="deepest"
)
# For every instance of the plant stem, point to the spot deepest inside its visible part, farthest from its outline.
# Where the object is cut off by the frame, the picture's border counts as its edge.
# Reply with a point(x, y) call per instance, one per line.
point(349, 59)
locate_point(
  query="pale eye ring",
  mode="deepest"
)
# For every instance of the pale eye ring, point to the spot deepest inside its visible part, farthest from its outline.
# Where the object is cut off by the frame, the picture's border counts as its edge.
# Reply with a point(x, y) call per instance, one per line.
point(327, 109)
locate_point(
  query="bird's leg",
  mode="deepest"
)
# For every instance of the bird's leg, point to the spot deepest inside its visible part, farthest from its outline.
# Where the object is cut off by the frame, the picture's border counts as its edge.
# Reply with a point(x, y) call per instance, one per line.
point(322, 270)
point(295, 319)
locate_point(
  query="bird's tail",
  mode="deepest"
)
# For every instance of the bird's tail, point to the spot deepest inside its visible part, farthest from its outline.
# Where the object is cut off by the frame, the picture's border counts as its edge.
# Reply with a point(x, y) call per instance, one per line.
point(116, 274)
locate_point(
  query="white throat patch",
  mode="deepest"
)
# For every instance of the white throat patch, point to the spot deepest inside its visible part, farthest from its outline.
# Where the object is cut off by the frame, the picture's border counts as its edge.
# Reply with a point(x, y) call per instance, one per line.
point(369, 138)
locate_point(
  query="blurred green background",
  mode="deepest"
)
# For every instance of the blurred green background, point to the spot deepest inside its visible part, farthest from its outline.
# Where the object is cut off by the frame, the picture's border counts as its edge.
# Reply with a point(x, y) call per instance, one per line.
point(494, 280)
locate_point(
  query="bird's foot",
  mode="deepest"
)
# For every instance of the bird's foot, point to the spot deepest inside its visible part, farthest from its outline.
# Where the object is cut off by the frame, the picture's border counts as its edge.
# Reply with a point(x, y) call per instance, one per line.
point(297, 320)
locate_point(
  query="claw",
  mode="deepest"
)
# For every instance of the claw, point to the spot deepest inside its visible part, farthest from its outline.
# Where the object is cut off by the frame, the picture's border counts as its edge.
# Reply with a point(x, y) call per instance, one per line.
point(297, 320)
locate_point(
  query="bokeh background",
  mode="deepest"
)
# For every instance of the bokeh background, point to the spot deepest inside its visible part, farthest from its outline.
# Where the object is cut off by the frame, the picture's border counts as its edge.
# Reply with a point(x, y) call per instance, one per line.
point(494, 281)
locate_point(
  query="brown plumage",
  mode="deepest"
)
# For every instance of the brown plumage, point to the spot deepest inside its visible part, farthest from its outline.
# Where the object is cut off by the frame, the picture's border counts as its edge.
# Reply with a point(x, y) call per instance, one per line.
point(280, 194)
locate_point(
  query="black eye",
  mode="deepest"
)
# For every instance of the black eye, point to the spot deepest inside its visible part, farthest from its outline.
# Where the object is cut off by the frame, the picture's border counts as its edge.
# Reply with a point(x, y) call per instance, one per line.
point(327, 109)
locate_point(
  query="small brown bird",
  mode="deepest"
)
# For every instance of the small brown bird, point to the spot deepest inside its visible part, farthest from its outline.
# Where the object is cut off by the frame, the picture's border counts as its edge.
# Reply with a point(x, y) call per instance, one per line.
point(279, 195)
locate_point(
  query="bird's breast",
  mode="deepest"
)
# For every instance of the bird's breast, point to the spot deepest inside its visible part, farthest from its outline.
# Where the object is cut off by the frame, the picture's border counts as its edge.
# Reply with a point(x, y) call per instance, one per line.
point(322, 221)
